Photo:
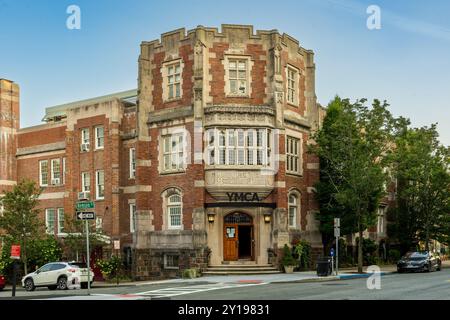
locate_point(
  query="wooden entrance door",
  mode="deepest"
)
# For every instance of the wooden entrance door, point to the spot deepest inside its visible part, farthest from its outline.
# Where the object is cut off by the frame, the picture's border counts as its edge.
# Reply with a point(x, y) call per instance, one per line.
point(230, 242)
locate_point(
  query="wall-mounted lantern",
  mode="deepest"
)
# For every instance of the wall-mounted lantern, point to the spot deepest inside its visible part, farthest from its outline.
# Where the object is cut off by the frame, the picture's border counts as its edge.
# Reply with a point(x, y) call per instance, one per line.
point(267, 217)
point(211, 217)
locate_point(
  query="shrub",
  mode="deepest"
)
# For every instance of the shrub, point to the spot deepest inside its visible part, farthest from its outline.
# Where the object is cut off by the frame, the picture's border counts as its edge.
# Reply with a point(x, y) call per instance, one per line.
point(302, 249)
point(394, 255)
point(110, 268)
point(288, 259)
point(190, 273)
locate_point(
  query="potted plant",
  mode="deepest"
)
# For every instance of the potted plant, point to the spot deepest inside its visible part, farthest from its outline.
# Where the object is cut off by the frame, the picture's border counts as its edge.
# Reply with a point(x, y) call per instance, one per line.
point(288, 260)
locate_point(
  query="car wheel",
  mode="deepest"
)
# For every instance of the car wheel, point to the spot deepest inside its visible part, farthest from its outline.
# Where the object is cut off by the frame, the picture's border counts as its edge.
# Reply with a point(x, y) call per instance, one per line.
point(52, 287)
point(62, 283)
point(84, 285)
point(429, 267)
point(29, 285)
point(439, 267)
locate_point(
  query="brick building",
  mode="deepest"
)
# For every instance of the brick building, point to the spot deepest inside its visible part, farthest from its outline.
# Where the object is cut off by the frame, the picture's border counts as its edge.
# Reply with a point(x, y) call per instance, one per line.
point(204, 164)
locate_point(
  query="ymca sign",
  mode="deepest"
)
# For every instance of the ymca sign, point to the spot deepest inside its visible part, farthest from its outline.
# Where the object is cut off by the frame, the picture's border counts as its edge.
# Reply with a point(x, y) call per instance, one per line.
point(243, 197)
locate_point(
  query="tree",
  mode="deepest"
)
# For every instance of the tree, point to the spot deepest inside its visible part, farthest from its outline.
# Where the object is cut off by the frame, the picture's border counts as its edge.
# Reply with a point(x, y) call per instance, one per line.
point(75, 240)
point(422, 168)
point(353, 147)
point(20, 220)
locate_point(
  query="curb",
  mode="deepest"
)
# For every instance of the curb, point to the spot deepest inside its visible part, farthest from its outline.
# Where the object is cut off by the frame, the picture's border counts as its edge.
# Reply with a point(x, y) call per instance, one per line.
point(335, 278)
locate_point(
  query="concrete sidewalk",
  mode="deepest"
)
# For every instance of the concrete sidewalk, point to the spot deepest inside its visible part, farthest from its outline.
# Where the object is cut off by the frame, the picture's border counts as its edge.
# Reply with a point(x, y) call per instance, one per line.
point(305, 276)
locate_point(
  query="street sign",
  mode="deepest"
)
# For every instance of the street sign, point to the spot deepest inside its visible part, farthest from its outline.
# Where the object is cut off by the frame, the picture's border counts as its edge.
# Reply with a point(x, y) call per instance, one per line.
point(15, 252)
point(85, 215)
point(337, 232)
point(85, 205)
point(337, 222)
point(332, 252)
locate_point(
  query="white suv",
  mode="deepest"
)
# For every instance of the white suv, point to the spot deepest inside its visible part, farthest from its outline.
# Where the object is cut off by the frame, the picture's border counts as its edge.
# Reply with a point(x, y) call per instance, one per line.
point(58, 275)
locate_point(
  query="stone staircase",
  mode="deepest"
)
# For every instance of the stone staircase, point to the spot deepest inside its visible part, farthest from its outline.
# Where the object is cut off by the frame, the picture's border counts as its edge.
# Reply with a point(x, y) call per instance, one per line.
point(240, 268)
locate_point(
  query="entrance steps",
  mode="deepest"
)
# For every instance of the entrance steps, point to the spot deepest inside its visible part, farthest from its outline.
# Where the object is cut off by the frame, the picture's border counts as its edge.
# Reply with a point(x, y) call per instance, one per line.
point(240, 268)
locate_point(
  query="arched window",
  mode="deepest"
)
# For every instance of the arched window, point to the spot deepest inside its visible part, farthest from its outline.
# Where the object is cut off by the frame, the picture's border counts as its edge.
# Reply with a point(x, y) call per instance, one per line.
point(293, 211)
point(174, 211)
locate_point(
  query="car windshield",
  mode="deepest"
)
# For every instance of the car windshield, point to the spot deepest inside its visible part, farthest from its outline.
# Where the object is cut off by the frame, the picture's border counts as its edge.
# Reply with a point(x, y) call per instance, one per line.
point(415, 256)
point(78, 264)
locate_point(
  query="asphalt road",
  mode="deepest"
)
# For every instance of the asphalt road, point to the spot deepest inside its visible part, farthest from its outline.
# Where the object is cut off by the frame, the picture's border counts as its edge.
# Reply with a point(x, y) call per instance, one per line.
point(411, 286)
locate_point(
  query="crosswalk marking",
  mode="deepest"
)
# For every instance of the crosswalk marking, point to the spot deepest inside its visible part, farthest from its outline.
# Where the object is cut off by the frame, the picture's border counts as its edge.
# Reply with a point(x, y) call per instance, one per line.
point(178, 291)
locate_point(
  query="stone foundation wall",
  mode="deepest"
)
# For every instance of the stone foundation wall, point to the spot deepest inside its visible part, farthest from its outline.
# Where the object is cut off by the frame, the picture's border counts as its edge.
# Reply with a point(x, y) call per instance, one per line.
point(149, 263)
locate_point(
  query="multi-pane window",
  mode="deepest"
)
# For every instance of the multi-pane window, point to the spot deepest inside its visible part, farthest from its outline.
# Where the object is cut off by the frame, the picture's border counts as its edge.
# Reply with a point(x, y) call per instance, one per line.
point(132, 163)
point(43, 173)
point(174, 80)
point(293, 209)
point(132, 218)
point(100, 184)
point(99, 137)
point(292, 85)
point(381, 218)
point(60, 220)
point(98, 224)
point(239, 147)
point(56, 171)
point(171, 261)
point(64, 170)
point(50, 215)
point(293, 155)
point(85, 139)
point(174, 209)
point(85, 182)
point(237, 71)
point(173, 155)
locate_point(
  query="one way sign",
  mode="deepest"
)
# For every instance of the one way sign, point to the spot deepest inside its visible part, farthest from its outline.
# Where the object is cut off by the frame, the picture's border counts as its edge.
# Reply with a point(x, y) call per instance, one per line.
point(85, 215)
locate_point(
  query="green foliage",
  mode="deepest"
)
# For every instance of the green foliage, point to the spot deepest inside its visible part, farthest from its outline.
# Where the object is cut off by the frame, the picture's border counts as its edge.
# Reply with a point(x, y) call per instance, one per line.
point(394, 255)
point(353, 147)
point(110, 268)
point(288, 259)
point(190, 273)
point(45, 251)
point(20, 221)
point(422, 167)
point(302, 250)
point(40, 252)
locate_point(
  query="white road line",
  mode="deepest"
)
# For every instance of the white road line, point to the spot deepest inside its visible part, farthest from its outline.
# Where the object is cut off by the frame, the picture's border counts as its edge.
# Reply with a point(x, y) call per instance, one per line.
point(178, 291)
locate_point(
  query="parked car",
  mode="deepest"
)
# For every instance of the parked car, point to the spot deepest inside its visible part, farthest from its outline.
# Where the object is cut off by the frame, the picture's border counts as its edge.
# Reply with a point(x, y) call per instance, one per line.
point(419, 261)
point(2, 282)
point(58, 275)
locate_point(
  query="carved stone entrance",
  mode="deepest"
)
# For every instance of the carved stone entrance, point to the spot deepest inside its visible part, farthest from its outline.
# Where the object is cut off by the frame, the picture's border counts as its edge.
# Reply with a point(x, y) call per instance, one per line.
point(238, 242)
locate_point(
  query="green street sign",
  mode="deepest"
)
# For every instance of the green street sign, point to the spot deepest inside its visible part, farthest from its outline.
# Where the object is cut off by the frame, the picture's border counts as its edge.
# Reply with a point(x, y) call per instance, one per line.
point(85, 205)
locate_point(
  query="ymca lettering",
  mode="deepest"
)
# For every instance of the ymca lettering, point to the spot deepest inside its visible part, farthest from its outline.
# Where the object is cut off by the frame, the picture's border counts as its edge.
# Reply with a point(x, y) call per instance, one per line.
point(243, 197)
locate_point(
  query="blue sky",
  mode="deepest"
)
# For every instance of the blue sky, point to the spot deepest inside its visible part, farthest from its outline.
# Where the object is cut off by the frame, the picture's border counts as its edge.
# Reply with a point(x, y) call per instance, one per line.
point(406, 62)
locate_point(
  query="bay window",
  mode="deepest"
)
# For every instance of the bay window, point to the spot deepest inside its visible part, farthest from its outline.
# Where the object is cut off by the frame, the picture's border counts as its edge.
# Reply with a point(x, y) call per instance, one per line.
point(239, 147)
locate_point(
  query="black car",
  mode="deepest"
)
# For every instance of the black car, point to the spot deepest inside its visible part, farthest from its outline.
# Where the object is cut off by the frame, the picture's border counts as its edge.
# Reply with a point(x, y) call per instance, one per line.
point(419, 261)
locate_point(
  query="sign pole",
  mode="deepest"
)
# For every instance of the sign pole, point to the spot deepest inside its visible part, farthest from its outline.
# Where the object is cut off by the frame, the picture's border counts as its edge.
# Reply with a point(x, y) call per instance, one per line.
point(337, 255)
point(88, 258)
point(14, 278)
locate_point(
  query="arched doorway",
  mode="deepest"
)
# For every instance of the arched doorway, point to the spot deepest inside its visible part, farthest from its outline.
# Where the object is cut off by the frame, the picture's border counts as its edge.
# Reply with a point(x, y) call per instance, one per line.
point(238, 237)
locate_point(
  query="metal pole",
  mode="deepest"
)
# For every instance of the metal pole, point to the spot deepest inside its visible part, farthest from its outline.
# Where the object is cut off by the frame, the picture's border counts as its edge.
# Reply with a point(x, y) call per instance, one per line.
point(337, 255)
point(332, 265)
point(88, 258)
point(14, 278)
